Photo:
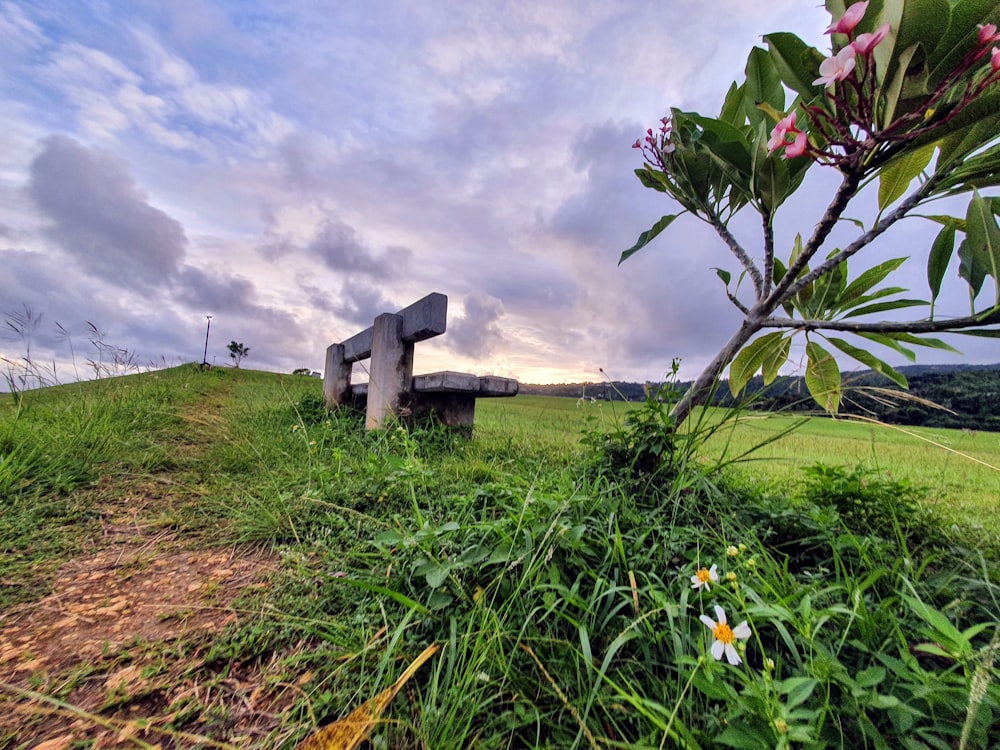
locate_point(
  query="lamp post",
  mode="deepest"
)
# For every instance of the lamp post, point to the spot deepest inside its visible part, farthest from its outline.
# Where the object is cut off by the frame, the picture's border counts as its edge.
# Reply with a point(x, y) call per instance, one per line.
point(204, 359)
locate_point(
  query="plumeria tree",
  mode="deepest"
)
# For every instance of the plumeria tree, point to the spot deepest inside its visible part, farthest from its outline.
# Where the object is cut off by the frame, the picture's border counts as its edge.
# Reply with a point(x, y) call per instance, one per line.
point(907, 103)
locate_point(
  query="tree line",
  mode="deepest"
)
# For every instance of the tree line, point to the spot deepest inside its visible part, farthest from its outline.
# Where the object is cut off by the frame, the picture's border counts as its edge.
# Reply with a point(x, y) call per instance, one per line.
point(953, 396)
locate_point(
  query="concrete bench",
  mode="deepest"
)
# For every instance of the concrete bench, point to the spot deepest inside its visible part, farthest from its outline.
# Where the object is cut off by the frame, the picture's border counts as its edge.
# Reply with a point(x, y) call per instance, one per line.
point(392, 390)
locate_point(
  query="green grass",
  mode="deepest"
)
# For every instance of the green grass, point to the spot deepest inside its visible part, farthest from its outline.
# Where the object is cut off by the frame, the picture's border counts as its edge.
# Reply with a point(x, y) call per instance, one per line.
point(957, 471)
point(553, 572)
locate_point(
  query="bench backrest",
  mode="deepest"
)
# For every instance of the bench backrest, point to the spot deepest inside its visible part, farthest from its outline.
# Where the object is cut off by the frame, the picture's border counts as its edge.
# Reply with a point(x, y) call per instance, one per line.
point(389, 344)
point(424, 319)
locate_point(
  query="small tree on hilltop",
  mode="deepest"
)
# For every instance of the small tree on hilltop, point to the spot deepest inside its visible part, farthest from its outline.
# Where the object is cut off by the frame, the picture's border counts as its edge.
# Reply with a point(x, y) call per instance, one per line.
point(238, 352)
point(908, 101)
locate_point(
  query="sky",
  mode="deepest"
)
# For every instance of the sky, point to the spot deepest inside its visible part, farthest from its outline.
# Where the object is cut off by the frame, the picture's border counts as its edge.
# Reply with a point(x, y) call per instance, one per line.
point(294, 169)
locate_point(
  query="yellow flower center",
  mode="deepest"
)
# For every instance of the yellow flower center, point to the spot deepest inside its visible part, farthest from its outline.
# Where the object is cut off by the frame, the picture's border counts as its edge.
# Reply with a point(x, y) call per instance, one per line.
point(723, 633)
point(703, 575)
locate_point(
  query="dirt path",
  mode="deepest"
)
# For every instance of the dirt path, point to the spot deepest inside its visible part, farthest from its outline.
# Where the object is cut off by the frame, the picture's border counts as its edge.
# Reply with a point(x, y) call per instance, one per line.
point(114, 655)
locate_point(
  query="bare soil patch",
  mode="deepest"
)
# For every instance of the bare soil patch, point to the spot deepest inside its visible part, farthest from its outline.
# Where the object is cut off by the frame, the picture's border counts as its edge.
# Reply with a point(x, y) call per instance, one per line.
point(114, 655)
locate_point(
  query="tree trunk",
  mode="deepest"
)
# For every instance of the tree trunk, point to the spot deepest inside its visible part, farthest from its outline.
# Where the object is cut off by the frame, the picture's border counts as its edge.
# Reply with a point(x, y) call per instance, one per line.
point(702, 387)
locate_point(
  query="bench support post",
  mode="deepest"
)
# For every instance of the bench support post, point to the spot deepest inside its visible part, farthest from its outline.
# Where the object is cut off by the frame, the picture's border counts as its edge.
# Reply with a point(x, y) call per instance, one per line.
point(336, 377)
point(391, 370)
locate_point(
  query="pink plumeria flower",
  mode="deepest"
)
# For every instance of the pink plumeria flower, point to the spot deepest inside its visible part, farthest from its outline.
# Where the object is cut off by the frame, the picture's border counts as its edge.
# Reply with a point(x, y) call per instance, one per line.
point(725, 636)
point(704, 577)
point(988, 33)
point(849, 20)
point(995, 59)
point(865, 43)
point(785, 126)
point(836, 68)
point(797, 147)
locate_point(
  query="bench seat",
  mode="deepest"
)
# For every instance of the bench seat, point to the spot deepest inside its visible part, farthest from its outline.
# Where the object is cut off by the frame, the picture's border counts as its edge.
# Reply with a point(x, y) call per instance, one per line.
point(446, 381)
point(450, 396)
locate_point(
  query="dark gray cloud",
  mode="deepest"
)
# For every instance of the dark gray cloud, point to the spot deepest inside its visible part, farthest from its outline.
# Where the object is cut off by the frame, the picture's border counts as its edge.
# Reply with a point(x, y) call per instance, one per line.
point(609, 197)
point(215, 292)
point(69, 313)
point(360, 303)
point(477, 334)
point(100, 216)
point(341, 249)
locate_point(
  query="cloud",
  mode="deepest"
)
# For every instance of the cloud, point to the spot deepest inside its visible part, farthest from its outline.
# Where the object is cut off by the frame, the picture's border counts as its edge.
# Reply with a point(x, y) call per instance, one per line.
point(221, 293)
point(100, 216)
point(297, 170)
point(340, 249)
point(359, 304)
point(477, 334)
point(18, 31)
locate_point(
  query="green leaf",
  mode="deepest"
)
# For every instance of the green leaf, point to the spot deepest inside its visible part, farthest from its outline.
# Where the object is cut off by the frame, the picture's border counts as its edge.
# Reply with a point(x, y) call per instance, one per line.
point(979, 171)
point(646, 237)
point(744, 736)
point(395, 595)
point(733, 107)
point(796, 63)
point(939, 258)
point(901, 60)
point(895, 304)
point(974, 127)
point(889, 341)
point(763, 85)
point(986, 333)
point(870, 360)
point(983, 234)
point(868, 279)
point(750, 359)
point(896, 176)
point(728, 147)
point(945, 220)
point(925, 341)
point(774, 359)
point(941, 625)
point(724, 275)
point(654, 179)
point(870, 677)
point(798, 690)
point(908, 80)
point(972, 268)
point(960, 35)
point(778, 271)
point(823, 377)
point(827, 291)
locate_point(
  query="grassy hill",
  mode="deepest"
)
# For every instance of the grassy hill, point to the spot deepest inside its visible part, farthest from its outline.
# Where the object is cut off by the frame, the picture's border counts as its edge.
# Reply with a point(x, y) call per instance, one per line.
point(210, 559)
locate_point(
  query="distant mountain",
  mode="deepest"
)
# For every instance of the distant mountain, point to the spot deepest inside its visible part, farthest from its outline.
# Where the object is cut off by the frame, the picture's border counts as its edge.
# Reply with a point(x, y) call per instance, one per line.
point(958, 396)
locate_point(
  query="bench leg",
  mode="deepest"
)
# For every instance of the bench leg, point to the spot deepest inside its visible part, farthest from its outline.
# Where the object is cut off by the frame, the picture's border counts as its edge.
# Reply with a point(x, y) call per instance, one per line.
point(391, 370)
point(336, 377)
point(452, 409)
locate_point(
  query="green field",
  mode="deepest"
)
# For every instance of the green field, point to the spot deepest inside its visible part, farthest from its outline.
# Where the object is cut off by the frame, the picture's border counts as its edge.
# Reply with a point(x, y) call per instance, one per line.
point(957, 471)
point(199, 558)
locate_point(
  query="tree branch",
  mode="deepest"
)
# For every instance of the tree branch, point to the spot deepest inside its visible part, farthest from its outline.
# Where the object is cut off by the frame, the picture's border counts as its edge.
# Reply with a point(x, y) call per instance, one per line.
point(768, 255)
point(865, 239)
point(710, 375)
point(734, 246)
point(987, 318)
point(739, 305)
point(845, 192)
